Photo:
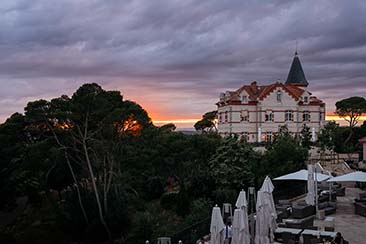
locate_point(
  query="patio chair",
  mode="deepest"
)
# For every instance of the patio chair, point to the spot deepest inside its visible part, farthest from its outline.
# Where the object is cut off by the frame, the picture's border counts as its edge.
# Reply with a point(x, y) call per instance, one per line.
point(300, 211)
point(340, 191)
point(360, 208)
point(315, 241)
point(328, 207)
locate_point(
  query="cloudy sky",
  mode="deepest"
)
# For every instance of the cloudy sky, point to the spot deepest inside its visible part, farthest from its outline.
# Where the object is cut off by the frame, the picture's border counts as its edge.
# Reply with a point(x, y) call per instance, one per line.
point(174, 56)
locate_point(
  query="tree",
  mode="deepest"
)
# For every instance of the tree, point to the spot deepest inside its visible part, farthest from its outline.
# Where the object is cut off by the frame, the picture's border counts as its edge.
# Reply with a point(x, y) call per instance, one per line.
point(170, 127)
point(89, 128)
point(12, 151)
point(207, 123)
point(278, 161)
point(231, 165)
point(351, 109)
point(305, 137)
point(327, 136)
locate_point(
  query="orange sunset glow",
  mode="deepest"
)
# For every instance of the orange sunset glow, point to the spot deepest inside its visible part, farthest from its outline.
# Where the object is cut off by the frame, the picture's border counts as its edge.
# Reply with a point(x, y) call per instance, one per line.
point(189, 122)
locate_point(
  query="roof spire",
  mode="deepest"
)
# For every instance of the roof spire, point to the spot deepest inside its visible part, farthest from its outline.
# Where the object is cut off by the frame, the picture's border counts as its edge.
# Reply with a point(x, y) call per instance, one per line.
point(296, 75)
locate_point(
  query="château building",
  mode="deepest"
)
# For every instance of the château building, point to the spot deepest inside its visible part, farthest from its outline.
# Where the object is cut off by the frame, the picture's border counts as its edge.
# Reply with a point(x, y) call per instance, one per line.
point(258, 111)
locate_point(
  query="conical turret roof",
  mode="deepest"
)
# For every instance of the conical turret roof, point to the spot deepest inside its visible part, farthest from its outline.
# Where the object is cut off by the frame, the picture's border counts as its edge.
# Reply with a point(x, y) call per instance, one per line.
point(296, 75)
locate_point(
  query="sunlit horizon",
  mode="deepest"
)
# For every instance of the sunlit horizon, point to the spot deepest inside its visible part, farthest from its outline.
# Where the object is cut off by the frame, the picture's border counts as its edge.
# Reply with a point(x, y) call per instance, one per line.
point(188, 123)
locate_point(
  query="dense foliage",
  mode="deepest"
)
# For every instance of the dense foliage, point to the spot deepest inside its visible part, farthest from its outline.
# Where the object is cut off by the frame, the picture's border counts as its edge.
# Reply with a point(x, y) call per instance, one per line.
point(94, 169)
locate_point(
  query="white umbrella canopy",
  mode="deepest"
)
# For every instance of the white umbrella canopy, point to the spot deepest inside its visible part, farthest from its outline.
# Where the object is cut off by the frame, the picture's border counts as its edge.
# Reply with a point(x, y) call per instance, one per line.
point(303, 175)
point(217, 226)
point(310, 197)
point(239, 228)
point(267, 185)
point(357, 176)
point(265, 213)
point(242, 204)
point(263, 219)
point(268, 188)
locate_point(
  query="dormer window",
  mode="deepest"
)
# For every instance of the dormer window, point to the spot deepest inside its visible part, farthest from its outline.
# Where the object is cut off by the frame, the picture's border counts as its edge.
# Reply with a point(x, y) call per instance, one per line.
point(279, 96)
point(244, 99)
point(306, 99)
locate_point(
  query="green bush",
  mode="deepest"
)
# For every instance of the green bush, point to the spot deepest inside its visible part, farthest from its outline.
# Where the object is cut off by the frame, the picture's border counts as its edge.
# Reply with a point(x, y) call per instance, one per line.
point(154, 187)
point(200, 210)
point(73, 223)
point(225, 195)
point(183, 203)
point(169, 200)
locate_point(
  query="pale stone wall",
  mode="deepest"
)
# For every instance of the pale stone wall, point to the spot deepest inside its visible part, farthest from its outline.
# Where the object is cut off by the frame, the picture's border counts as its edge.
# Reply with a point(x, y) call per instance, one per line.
point(257, 116)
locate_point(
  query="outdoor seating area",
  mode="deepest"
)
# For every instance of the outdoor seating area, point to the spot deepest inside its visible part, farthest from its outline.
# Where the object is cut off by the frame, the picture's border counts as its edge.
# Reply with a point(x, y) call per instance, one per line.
point(328, 207)
point(307, 219)
point(306, 236)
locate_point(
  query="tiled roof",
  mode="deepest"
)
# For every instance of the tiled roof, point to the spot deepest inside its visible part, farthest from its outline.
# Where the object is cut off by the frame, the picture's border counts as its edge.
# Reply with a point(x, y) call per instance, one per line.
point(257, 93)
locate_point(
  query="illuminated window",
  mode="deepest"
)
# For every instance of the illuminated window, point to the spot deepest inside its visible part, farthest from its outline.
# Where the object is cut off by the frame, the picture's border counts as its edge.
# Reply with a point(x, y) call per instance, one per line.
point(289, 115)
point(269, 136)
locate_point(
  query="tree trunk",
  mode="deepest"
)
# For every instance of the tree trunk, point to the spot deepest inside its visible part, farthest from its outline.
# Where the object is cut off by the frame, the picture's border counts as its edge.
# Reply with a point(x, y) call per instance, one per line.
point(77, 188)
point(349, 136)
point(95, 189)
point(105, 186)
point(72, 174)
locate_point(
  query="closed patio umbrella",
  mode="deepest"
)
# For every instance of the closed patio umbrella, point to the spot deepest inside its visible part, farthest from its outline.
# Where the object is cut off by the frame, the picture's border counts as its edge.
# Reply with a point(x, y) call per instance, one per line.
point(238, 228)
point(217, 226)
point(310, 197)
point(263, 219)
point(265, 213)
point(241, 203)
point(357, 176)
point(268, 188)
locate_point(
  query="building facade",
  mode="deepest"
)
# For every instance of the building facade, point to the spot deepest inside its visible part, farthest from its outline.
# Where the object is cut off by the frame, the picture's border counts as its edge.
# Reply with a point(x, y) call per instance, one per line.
point(257, 112)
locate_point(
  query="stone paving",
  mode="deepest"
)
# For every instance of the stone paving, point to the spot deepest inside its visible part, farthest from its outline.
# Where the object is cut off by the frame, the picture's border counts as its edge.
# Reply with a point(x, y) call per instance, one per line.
point(352, 226)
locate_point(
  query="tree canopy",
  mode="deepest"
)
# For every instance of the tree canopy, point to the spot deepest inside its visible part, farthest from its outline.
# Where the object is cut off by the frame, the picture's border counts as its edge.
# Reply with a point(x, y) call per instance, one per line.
point(207, 123)
point(350, 109)
point(95, 168)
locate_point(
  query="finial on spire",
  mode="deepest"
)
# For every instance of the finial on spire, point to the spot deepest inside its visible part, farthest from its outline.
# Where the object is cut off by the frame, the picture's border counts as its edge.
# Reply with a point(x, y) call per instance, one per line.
point(296, 49)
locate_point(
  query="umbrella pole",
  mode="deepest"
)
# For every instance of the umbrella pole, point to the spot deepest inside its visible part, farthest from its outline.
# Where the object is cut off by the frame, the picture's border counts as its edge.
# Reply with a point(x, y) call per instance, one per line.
point(316, 193)
point(330, 188)
point(330, 192)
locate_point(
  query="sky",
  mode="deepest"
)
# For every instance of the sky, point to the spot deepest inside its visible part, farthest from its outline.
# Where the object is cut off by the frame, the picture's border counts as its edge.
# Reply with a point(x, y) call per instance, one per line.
point(174, 57)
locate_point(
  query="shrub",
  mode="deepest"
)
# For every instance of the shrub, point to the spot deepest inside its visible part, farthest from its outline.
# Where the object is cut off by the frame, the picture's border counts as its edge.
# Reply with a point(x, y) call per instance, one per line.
point(169, 200)
point(154, 187)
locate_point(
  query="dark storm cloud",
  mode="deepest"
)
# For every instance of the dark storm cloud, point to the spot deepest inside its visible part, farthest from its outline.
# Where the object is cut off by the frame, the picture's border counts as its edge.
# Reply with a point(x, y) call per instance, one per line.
point(177, 55)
